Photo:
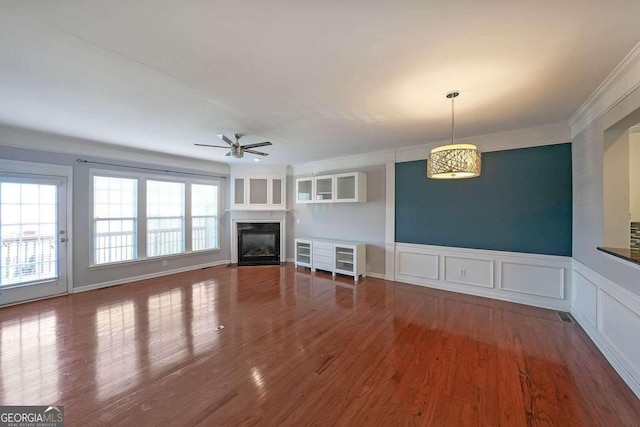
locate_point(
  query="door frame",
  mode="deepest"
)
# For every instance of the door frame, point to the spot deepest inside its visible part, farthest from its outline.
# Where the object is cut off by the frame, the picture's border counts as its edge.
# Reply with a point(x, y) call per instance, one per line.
point(48, 170)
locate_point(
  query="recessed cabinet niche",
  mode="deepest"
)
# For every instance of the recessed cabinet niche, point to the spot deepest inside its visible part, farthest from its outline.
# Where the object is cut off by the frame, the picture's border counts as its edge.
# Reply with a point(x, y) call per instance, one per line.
point(339, 188)
point(258, 193)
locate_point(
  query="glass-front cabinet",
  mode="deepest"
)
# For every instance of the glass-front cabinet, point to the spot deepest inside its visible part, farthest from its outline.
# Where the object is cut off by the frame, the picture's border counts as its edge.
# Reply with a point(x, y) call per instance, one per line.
point(324, 189)
point(351, 187)
point(258, 193)
point(339, 188)
point(304, 190)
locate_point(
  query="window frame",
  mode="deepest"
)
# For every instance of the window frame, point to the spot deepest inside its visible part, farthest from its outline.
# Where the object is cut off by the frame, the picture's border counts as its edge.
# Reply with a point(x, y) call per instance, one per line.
point(187, 189)
point(112, 174)
point(191, 216)
point(141, 242)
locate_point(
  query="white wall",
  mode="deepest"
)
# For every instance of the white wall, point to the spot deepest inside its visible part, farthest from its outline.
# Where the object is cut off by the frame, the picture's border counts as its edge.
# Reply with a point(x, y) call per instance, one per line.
point(634, 175)
point(615, 181)
point(588, 193)
point(83, 275)
point(606, 289)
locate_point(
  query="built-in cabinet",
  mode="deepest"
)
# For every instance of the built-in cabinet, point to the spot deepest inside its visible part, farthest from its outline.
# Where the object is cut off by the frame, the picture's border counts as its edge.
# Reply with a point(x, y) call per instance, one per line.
point(334, 256)
point(303, 252)
point(338, 188)
point(258, 192)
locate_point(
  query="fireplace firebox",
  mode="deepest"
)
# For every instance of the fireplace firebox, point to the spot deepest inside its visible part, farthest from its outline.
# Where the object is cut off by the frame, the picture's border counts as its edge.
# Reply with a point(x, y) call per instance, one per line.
point(258, 243)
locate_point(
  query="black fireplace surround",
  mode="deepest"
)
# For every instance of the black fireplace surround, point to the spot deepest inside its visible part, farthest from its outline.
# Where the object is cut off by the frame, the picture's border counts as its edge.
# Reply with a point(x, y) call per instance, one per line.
point(258, 243)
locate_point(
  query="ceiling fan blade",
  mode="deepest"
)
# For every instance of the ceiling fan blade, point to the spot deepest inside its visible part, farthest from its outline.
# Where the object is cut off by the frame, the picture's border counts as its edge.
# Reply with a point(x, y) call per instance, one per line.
point(256, 145)
point(259, 153)
point(208, 145)
point(225, 139)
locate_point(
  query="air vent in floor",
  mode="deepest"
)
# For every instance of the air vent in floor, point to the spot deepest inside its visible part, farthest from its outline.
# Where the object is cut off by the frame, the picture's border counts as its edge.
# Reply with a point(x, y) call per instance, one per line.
point(565, 317)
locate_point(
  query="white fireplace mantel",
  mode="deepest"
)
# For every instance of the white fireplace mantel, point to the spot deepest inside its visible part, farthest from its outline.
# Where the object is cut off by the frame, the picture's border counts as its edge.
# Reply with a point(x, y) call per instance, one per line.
point(263, 217)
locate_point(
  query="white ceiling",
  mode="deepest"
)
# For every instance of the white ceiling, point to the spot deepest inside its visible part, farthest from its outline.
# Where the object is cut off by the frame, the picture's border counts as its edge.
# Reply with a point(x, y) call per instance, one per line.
point(320, 79)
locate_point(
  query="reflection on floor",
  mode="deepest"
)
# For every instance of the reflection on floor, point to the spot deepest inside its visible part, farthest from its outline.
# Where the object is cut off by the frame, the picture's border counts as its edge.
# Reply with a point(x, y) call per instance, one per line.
point(300, 348)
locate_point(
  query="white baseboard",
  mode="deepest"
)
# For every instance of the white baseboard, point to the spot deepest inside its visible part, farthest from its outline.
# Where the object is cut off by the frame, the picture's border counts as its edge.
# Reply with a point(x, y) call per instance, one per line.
point(375, 275)
point(147, 276)
point(610, 315)
point(537, 280)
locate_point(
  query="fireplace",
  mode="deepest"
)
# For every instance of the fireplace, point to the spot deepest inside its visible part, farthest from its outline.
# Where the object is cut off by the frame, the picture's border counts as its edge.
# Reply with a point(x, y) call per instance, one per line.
point(258, 243)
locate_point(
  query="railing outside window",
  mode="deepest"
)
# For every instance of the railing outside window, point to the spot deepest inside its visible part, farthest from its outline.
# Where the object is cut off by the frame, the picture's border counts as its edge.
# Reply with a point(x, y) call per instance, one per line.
point(28, 258)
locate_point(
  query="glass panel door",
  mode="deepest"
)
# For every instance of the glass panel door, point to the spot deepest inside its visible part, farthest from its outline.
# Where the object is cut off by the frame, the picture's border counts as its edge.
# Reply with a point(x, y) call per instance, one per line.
point(32, 256)
point(28, 229)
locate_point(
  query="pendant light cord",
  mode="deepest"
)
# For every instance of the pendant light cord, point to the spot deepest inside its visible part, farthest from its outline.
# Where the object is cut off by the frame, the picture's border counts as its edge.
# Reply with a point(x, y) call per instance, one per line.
point(453, 118)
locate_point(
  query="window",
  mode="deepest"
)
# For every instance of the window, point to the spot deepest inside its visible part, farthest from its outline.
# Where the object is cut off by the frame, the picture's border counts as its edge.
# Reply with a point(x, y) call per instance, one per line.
point(165, 218)
point(115, 217)
point(177, 216)
point(204, 217)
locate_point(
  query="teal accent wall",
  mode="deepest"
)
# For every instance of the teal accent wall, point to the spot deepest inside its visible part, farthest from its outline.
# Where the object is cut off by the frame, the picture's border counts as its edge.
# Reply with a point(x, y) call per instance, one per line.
point(521, 202)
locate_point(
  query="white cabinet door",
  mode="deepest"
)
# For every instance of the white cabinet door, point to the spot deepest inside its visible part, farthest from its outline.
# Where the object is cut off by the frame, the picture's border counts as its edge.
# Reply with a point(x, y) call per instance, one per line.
point(342, 188)
point(324, 189)
point(351, 187)
point(258, 192)
point(278, 192)
point(304, 190)
point(303, 252)
point(238, 192)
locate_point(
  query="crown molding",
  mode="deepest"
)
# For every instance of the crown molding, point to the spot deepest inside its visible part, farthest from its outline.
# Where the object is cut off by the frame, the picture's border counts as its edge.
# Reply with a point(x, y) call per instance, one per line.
point(557, 133)
point(623, 80)
point(344, 163)
point(15, 137)
point(634, 129)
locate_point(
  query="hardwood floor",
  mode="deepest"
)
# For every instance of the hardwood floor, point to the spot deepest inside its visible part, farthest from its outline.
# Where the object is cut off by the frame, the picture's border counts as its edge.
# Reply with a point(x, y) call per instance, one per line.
point(299, 348)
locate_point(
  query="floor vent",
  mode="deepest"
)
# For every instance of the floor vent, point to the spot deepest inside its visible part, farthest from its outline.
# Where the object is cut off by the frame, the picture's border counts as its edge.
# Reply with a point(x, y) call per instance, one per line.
point(565, 317)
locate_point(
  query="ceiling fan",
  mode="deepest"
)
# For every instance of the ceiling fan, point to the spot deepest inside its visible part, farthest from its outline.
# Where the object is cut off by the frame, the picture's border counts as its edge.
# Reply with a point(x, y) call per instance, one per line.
point(235, 149)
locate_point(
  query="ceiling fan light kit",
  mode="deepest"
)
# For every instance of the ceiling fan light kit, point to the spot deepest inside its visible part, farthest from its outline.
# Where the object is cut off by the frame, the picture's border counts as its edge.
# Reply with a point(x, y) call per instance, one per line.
point(454, 161)
point(235, 149)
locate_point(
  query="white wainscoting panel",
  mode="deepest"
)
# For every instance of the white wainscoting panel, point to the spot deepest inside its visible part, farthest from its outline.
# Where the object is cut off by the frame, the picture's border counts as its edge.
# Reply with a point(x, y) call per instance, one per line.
point(539, 280)
point(618, 323)
point(416, 264)
point(533, 279)
point(610, 315)
point(585, 295)
point(469, 271)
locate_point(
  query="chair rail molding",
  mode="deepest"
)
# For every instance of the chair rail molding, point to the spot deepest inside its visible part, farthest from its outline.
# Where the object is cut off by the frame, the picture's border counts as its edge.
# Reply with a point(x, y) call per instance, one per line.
point(532, 279)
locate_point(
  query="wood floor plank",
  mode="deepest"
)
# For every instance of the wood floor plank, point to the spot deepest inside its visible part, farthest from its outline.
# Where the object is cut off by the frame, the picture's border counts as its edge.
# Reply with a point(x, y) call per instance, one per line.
point(299, 348)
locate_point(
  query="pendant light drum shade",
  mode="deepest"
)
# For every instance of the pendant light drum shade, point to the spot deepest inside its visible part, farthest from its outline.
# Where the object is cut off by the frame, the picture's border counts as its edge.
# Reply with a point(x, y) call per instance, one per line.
point(454, 161)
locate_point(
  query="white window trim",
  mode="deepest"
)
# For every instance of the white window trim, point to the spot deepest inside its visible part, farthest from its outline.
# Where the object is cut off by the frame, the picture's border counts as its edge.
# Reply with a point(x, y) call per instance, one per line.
point(92, 229)
point(203, 182)
point(141, 243)
point(19, 167)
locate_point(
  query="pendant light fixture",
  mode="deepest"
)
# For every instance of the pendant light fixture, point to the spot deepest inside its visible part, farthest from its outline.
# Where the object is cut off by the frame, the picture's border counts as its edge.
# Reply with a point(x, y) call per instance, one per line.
point(454, 161)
